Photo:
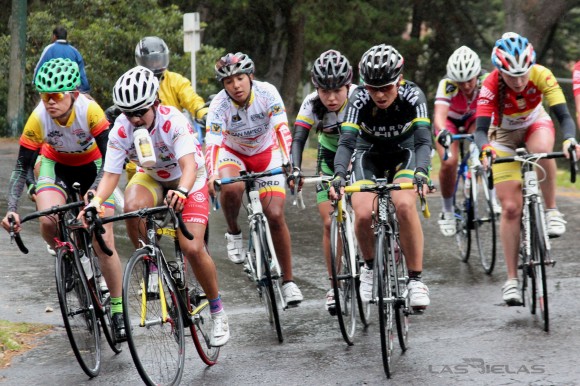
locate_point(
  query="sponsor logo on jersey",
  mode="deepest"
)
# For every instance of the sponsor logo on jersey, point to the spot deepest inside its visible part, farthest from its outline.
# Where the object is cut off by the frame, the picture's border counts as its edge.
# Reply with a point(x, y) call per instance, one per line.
point(277, 109)
point(167, 126)
point(216, 128)
point(164, 110)
point(199, 197)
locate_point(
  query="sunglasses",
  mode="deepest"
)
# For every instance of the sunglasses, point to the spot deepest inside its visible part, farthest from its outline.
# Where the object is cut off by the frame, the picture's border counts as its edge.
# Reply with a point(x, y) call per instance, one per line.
point(383, 89)
point(136, 113)
point(55, 96)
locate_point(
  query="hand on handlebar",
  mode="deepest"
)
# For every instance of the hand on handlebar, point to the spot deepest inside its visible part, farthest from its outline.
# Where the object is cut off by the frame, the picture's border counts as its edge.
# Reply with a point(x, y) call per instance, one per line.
point(296, 175)
point(444, 138)
point(176, 200)
point(570, 148)
point(422, 183)
point(487, 156)
point(337, 185)
point(11, 220)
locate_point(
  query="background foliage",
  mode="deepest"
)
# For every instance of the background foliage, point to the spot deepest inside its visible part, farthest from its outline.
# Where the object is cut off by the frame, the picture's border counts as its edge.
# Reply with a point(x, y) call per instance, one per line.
point(284, 37)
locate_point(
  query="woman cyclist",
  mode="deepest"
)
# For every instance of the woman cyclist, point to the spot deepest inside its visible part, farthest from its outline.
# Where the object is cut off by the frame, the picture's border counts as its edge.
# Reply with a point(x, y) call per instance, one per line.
point(510, 108)
point(174, 172)
point(324, 110)
point(455, 104)
point(386, 122)
point(70, 132)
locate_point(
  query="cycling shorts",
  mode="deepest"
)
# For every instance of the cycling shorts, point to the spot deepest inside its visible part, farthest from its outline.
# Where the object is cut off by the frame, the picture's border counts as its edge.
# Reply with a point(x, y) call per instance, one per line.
point(56, 177)
point(370, 166)
point(269, 159)
point(454, 125)
point(505, 143)
point(196, 207)
point(324, 167)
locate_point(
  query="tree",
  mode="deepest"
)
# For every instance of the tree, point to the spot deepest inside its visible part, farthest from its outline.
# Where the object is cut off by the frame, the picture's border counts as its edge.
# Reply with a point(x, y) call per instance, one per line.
point(17, 64)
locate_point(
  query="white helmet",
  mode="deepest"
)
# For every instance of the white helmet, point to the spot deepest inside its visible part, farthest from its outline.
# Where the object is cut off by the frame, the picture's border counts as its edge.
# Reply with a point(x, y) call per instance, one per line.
point(136, 89)
point(463, 65)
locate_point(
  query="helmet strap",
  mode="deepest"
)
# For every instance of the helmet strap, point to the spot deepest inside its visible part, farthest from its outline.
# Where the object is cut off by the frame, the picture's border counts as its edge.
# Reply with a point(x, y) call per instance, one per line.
point(64, 116)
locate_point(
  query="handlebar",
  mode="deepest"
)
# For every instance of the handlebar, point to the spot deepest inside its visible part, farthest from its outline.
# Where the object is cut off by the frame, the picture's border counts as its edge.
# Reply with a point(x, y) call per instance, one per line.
point(532, 157)
point(456, 137)
point(299, 200)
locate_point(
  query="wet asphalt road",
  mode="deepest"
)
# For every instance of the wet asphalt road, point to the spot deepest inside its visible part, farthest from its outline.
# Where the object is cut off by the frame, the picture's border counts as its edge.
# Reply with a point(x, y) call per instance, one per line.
point(466, 337)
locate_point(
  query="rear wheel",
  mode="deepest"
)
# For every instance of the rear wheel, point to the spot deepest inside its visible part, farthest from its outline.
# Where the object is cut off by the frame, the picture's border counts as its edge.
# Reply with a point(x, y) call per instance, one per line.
point(153, 321)
point(343, 281)
point(484, 222)
point(78, 312)
point(202, 323)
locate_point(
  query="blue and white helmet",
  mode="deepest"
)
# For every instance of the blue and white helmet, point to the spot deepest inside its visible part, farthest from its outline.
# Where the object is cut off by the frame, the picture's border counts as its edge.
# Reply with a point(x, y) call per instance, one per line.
point(513, 54)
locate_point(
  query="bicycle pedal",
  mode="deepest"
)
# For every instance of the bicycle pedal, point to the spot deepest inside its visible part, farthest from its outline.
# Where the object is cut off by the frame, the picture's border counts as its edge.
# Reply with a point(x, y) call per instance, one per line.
point(418, 310)
point(332, 310)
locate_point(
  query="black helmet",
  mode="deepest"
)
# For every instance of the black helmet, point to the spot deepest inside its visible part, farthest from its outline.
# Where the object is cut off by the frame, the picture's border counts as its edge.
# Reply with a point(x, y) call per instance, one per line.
point(381, 65)
point(331, 70)
point(153, 53)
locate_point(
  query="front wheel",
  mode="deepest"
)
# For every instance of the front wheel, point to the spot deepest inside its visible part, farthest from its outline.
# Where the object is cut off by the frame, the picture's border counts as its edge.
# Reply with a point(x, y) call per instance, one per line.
point(484, 221)
point(153, 320)
point(343, 281)
point(385, 302)
point(402, 307)
point(540, 258)
point(463, 220)
point(78, 312)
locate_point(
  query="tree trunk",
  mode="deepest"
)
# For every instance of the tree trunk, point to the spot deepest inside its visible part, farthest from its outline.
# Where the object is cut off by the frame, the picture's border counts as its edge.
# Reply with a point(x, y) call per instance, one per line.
point(293, 64)
point(14, 116)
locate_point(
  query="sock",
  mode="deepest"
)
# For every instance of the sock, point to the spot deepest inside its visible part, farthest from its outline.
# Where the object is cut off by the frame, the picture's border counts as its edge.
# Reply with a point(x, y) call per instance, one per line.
point(215, 305)
point(448, 204)
point(116, 305)
point(415, 275)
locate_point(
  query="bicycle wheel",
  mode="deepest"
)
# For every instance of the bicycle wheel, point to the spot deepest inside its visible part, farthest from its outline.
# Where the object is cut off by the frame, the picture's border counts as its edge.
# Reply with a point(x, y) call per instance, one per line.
point(270, 281)
point(540, 257)
point(402, 307)
point(343, 281)
point(463, 218)
point(385, 301)
point(484, 221)
point(78, 313)
point(153, 322)
point(528, 275)
point(201, 327)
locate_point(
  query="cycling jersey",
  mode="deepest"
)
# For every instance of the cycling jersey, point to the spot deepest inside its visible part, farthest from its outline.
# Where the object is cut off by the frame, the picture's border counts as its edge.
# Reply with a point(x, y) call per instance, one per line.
point(72, 144)
point(172, 138)
point(520, 109)
point(247, 130)
point(576, 78)
point(460, 107)
point(328, 125)
point(176, 90)
point(403, 125)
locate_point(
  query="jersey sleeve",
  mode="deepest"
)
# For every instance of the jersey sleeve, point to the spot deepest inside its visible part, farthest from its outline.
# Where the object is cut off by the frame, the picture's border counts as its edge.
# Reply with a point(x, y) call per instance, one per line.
point(96, 119)
point(446, 90)
point(548, 84)
point(33, 134)
point(116, 152)
point(487, 99)
point(576, 78)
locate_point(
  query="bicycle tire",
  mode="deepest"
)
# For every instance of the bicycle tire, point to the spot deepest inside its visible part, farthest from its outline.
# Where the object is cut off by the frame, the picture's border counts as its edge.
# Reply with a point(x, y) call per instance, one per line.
point(201, 325)
point(157, 346)
point(484, 221)
point(78, 313)
point(267, 282)
point(385, 306)
point(403, 306)
point(343, 282)
point(528, 275)
point(540, 255)
point(463, 218)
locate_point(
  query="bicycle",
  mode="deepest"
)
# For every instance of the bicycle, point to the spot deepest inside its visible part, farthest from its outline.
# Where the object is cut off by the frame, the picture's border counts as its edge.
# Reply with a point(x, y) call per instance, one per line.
point(390, 274)
point(345, 261)
point(261, 264)
point(535, 248)
point(83, 303)
point(160, 299)
point(474, 205)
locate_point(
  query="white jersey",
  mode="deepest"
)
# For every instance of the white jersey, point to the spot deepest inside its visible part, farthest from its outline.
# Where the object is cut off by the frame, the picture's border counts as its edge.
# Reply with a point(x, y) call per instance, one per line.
point(248, 129)
point(172, 137)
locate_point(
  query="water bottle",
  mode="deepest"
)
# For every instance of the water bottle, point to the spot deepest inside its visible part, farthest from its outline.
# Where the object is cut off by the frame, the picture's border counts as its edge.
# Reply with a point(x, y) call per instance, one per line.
point(144, 147)
point(86, 263)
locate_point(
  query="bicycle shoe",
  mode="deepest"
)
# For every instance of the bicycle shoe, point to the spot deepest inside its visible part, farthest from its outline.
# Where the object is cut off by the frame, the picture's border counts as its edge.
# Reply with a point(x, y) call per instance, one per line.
point(69, 280)
point(447, 224)
point(330, 303)
point(119, 327)
point(292, 294)
point(418, 295)
point(511, 293)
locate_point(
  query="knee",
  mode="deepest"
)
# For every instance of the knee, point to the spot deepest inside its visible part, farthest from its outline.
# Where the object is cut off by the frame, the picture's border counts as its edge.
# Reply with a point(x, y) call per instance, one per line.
point(194, 249)
point(511, 211)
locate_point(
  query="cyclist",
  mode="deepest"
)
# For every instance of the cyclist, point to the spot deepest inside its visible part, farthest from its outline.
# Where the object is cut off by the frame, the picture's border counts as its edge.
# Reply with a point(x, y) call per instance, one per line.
point(387, 125)
point(247, 129)
point(176, 174)
point(324, 110)
point(510, 107)
point(576, 89)
point(174, 89)
point(455, 104)
point(70, 132)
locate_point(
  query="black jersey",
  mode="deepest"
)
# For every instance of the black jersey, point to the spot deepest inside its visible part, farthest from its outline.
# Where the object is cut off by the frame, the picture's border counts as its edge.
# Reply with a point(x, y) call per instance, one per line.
point(405, 124)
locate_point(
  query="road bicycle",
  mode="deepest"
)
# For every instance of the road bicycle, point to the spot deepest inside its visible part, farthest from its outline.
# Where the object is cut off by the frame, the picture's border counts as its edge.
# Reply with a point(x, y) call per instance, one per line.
point(261, 263)
point(474, 205)
point(390, 274)
point(84, 304)
point(535, 246)
point(345, 261)
point(161, 299)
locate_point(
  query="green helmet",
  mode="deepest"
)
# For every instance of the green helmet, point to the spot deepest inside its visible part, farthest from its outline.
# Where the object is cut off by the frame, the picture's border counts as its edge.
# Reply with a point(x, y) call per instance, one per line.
point(57, 75)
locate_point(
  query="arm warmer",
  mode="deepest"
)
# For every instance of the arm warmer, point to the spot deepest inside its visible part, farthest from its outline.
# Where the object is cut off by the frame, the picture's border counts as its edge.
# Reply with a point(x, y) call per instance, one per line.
point(102, 140)
point(482, 126)
point(17, 181)
point(423, 145)
point(567, 124)
point(346, 145)
point(298, 143)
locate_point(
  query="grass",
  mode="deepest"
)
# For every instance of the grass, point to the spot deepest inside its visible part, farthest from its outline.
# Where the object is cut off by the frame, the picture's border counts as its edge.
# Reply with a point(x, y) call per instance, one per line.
point(17, 337)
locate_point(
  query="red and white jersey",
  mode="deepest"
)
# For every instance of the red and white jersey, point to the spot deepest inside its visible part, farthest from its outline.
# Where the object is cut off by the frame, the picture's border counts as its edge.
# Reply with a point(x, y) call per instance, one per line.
point(576, 78)
point(460, 107)
point(172, 137)
point(249, 129)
